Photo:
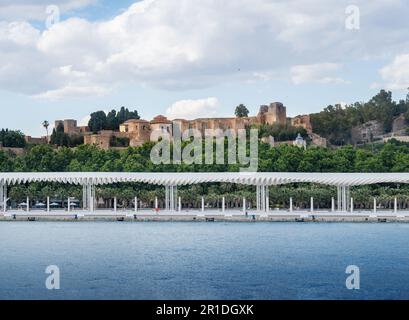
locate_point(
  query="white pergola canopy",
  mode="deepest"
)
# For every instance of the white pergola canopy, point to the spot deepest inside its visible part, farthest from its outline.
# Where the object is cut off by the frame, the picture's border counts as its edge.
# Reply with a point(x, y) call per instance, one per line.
point(189, 178)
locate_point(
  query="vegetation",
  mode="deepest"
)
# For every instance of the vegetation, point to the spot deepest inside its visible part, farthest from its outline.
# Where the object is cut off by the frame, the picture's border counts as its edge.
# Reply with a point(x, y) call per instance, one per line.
point(120, 142)
point(281, 132)
point(46, 124)
point(335, 122)
point(61, 139)
point(111, 121)
point(391, 157)
point(12, 139)
point(241, 111)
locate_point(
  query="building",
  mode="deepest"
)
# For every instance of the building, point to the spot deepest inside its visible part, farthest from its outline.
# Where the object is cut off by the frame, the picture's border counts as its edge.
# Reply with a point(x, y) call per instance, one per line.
point(300, 142)
point(140, 131)
point(303, 121)
point(101, 140)
point(367, 132)
point(32, 140)
point(161, 124)
point(275, 113)
point(71, 127)
point(171, 180)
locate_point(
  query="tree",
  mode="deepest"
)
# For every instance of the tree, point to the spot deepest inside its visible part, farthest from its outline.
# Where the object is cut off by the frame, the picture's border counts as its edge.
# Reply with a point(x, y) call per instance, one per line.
point(12, 139)
point(111, 121)
point(46, 125)
point(98, 121)
point(241, 111)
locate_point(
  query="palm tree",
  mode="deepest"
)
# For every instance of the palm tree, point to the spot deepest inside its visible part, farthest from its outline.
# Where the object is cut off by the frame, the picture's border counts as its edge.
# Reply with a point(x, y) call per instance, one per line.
point(46, 124)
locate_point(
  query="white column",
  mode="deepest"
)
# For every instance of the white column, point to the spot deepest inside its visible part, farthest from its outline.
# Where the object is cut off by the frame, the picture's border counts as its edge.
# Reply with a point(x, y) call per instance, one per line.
point(88, 196)
point(115, 204)
point(28, 204)
point(156, 202)
point(374, 205)
point(171, 204)
point(312, 204)
point(136, 204)
point(244, 205)
point(91, 204)
point(291, 204)
point(176, 196)
point(332, 204)
point(2, 196)
point(352, 204)
point(179, 204)
point(267, 198)
point(48, 204)
point(258, 197)
point(395, 205)
point(223, 204)
point(203, 204)
point(267, 204)
point(93, 192)
point(166, 198)
point(339, 198)
point(84, 197)
point(69, 204)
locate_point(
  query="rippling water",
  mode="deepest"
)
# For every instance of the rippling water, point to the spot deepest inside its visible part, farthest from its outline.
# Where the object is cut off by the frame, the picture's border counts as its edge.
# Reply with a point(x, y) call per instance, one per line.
point(113, 260)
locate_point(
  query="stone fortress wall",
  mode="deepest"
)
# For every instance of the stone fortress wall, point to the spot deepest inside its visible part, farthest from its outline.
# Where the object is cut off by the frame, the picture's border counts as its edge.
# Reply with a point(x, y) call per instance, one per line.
point(139, 131)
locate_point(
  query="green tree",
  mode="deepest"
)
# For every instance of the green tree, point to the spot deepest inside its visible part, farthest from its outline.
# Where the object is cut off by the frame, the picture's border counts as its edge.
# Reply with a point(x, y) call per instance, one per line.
point(12, 139)
point(98, 121)
point(241, 111)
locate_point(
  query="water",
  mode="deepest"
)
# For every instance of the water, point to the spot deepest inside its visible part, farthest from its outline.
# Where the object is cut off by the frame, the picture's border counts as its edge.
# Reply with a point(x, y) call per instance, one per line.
point(113, 260)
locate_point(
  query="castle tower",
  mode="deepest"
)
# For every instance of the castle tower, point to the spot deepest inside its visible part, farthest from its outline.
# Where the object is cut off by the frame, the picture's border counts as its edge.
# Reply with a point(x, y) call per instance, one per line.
point(275, 113)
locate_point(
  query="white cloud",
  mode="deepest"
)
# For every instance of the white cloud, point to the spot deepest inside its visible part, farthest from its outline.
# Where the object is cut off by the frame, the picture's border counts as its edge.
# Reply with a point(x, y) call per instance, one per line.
point(316, 73)
point(184, 44)
point(193, 109)
point(396, 74)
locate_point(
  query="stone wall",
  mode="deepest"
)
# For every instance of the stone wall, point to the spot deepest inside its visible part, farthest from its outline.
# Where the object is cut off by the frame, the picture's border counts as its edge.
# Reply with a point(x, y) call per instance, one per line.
point(399, 124)
point(367, 132)
point(303, 121)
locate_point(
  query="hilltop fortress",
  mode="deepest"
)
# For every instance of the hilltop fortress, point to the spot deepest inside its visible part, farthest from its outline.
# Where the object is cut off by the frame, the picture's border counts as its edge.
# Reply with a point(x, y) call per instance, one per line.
point(136, 132)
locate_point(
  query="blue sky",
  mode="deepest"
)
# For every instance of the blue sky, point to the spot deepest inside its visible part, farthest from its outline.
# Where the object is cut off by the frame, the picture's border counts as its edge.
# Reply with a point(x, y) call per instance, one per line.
point(185, 59)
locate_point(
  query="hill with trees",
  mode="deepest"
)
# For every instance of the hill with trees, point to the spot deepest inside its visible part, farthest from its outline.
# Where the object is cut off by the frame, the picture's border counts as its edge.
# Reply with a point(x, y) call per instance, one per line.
point(335, 122)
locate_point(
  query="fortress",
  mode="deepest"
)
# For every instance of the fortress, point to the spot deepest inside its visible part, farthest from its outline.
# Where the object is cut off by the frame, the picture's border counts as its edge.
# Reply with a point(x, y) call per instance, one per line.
point(136, 132)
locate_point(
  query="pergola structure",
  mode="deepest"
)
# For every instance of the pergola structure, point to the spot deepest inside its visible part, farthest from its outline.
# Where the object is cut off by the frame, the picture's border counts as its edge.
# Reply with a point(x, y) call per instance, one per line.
point(262, 180)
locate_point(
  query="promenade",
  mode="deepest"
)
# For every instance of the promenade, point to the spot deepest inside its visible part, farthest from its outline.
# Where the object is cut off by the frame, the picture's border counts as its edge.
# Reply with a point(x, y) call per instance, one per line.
point(207, 216)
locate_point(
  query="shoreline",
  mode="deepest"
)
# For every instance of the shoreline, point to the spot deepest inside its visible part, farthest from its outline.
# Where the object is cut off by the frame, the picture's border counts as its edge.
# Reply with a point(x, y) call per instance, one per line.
point(281, 217)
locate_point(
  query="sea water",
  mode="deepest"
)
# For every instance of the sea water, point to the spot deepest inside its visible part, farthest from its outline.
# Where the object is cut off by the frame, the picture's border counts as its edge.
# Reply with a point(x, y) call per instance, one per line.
point(165, 260)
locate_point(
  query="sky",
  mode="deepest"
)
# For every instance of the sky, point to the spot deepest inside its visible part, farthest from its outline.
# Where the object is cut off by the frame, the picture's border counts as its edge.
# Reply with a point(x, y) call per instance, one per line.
point(63, 59)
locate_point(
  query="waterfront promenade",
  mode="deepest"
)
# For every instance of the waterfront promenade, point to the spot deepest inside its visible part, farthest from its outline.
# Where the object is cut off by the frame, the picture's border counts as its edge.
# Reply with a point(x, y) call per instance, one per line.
point(208, 215)
point(342, 206)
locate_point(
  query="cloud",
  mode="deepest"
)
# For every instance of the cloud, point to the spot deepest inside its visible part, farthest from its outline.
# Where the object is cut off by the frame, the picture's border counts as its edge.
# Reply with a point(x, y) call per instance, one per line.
point(184, 44)
point(193, 109)
point(396, 74)
point(316, 73)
